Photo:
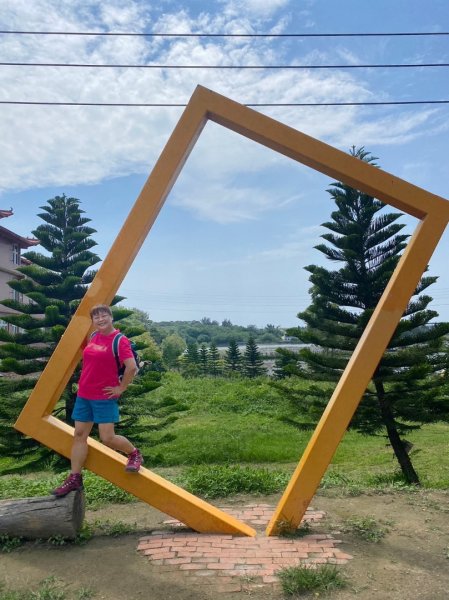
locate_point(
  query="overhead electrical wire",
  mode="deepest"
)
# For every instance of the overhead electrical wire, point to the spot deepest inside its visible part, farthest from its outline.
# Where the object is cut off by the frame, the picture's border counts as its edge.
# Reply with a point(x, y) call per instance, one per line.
point(251, 104)
point(225, 35)
point(156, 66)
point(228, 35)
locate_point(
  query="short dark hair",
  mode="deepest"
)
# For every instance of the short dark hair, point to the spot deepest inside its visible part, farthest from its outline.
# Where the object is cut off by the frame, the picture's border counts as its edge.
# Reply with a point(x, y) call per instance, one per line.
point(100, 308)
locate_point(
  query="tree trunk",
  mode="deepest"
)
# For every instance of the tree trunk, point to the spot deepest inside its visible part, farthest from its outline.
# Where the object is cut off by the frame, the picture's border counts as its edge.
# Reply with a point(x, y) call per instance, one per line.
point(396, 443)
point(43, 517)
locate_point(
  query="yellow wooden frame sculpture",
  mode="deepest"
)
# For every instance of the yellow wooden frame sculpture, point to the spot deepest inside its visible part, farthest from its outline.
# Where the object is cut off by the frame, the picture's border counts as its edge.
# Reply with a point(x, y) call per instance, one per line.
point(36, 419)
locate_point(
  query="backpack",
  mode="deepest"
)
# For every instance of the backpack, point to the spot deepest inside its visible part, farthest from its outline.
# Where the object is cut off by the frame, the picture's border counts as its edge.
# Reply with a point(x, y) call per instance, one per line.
point(115, 343)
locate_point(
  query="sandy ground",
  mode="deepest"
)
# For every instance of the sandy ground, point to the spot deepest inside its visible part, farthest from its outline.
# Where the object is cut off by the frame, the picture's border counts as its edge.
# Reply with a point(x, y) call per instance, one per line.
point(411, 561)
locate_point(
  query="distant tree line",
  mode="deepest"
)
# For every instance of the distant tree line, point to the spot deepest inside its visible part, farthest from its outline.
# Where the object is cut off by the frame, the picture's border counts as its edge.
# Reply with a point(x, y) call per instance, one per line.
point(206, 361)
point(207, 331)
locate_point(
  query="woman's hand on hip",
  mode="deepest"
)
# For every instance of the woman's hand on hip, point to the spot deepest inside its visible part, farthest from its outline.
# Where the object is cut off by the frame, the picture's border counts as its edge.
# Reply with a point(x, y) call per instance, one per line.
point(113, 391)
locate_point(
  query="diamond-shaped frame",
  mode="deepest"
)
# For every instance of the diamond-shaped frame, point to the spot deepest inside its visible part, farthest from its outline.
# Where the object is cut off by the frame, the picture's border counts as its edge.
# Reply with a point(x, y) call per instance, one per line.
point(36, 420)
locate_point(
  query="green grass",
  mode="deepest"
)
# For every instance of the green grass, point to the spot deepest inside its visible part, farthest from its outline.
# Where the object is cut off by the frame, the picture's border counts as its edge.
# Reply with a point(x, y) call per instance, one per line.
point(219, 481)
point(206, 439)
point(113, 528)
point(366, 528)
point(98, 491)
point(89, 529)
point(301, 579)
point(238, 422)
point(8, 543)
point(48, 589)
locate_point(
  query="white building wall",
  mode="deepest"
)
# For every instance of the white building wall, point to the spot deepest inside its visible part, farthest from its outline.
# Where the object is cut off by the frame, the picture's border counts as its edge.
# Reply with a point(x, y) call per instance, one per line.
point(9, 261)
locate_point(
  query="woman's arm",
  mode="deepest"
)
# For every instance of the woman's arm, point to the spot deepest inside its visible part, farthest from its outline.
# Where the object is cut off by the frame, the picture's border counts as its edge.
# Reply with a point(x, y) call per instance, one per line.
point(128, 375)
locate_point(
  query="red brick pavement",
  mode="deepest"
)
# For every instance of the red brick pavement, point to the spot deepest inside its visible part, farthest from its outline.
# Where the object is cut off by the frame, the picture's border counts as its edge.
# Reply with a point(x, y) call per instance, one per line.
point(232, 563)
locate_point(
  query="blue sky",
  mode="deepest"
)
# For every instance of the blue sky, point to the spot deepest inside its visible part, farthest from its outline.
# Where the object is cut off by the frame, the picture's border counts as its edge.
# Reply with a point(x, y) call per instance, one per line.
point(241, 222)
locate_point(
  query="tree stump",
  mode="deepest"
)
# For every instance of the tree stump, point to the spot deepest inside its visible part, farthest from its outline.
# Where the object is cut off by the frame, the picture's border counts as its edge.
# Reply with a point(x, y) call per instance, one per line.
point(43, 517)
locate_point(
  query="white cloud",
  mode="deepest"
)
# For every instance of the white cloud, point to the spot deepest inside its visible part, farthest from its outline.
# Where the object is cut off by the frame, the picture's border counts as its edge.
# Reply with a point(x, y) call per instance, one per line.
point(229, 204)
point(293, 249)
point(43, 146)
point(262, 8)
point(390, 130)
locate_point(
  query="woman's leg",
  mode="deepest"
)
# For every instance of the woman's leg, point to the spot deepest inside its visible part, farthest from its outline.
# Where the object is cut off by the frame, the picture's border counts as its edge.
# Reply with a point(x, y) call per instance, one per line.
point(80, 448)
point(111, 439)
point(74, 481)
point(119, 442)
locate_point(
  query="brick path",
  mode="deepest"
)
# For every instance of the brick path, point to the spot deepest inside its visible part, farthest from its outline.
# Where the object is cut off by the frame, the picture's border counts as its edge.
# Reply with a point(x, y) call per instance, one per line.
point(232, 563)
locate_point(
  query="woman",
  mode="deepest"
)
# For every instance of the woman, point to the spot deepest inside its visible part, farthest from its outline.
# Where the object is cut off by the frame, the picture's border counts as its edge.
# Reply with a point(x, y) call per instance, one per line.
point(97, 400)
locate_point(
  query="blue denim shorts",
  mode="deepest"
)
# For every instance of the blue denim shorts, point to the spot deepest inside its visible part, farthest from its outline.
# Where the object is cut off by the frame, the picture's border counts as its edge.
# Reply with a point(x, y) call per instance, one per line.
point(96, 411)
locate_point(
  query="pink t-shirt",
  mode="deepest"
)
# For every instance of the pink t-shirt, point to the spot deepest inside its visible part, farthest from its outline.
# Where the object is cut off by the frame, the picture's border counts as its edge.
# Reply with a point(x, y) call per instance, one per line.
point(99, 365)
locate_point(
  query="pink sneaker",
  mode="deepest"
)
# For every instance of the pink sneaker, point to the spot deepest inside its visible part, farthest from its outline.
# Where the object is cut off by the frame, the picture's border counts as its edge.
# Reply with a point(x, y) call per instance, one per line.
point(73, 483)
point(135, 461)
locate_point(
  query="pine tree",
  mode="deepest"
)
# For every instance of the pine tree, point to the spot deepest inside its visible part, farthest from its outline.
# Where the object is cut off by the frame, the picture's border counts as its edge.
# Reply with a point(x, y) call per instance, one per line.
point(50, 291)
point(192, 355)
point(138, 323)
point(405, 390)
point(285, 363)
point(17, 447)
point(214, 360)
point(252, 359)
point(233, 358)
point(203, 360)
point(191, 361)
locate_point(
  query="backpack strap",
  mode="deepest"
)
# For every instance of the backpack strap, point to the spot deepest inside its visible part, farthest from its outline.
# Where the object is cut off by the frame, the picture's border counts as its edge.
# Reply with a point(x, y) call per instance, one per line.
point(115, 343)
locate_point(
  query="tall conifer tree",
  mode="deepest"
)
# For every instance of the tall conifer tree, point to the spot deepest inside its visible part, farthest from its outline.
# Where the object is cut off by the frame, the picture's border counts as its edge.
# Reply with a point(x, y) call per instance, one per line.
point(214, 360)
point(51, 289)
point(252, 359)
point(405, 390)
point(191, 360)
point(203, 359)
point(233, 358)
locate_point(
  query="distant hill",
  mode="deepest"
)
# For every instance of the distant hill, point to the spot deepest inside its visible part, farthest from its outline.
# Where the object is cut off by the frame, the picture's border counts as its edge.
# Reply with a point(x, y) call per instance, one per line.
point(207, 331)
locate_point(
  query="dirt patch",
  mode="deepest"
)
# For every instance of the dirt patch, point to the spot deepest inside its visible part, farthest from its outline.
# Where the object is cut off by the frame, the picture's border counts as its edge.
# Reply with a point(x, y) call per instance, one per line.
point(411, 561)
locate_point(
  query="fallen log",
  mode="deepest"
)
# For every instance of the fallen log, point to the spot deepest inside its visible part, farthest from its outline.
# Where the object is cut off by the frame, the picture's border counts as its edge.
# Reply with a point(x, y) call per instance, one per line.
point(43, 517)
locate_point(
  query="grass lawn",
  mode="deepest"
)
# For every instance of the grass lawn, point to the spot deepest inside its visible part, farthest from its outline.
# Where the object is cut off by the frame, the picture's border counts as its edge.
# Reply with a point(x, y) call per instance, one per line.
point(240, 422)
point(235, 422)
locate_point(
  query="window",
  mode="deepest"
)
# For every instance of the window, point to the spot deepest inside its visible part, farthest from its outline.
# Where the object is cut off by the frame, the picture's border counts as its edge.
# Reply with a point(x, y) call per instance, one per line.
point(17, 296)
point(15, 254)
point(3, 324)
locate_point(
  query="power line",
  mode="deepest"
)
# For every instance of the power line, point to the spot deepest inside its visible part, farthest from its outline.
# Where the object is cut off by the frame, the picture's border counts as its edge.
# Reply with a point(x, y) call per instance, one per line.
point(156, 66)
point(252, 104)
point(229, 35)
